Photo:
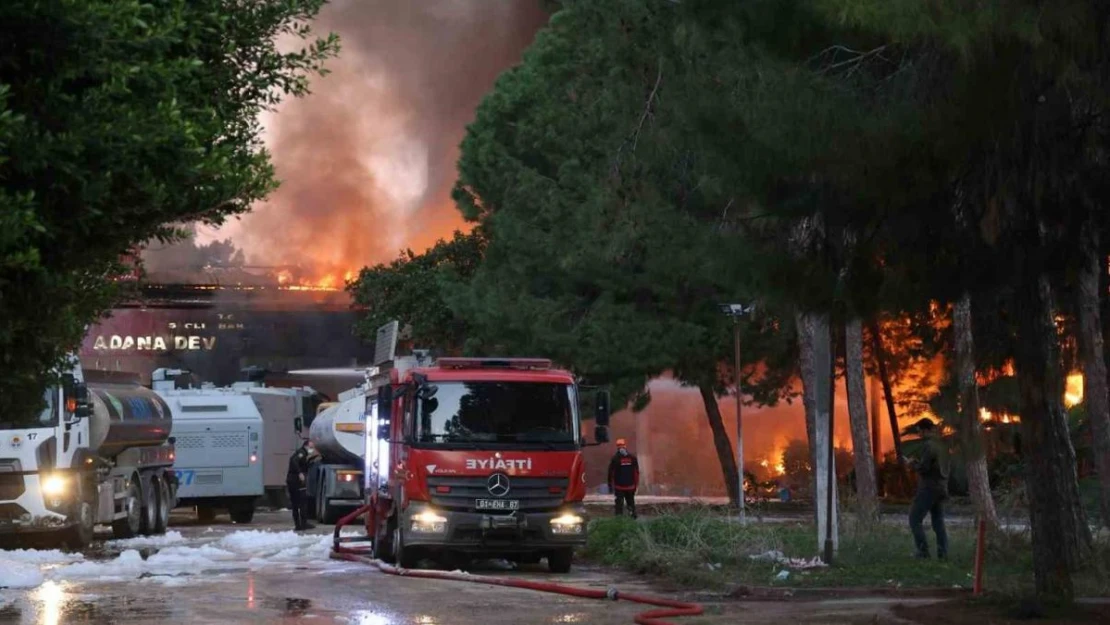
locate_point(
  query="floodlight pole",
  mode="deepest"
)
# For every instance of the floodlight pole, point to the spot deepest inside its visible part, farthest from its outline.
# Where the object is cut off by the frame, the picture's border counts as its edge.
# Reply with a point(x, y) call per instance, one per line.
point(736, 311)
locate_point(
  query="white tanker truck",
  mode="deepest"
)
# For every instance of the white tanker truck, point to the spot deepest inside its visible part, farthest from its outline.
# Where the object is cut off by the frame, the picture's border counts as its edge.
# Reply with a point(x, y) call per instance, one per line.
point(94, 454)
point(335, 483)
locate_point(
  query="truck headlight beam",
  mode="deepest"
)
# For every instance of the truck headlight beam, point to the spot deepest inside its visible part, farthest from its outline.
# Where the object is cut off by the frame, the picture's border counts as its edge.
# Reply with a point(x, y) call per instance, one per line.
point(568, 523)
point(428, 522)
point(54, 485)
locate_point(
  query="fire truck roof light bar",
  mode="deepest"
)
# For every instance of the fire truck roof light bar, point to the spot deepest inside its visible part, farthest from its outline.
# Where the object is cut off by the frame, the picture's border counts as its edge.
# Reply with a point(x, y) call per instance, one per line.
point(494, 363)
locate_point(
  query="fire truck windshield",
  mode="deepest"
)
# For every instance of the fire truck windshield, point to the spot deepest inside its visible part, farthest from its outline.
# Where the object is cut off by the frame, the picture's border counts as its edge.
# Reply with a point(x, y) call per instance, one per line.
point(544, 414)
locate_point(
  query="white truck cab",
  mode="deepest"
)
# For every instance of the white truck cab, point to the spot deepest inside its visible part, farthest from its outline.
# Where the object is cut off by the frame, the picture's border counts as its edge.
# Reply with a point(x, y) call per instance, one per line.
point(93, 454)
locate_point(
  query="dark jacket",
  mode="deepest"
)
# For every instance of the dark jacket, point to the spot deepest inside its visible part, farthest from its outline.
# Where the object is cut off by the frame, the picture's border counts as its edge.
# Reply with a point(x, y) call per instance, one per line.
point(624, 472)
point(298, 464)
point(932, 467)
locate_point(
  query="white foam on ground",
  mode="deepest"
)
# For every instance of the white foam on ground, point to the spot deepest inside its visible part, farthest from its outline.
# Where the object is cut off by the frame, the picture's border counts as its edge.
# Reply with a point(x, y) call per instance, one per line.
point(169, 538)
point(175, 562)
point(249, 549)
point(20, 575)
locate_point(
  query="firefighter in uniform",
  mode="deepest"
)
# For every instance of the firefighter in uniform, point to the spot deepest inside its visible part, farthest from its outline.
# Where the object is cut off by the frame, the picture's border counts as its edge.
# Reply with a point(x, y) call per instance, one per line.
point(295, 481)
point(624, 477)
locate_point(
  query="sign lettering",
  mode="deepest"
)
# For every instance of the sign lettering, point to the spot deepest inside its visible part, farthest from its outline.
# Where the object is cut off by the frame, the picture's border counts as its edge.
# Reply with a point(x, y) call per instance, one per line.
point(125, 343)
point(185, 476)
point(494, 464)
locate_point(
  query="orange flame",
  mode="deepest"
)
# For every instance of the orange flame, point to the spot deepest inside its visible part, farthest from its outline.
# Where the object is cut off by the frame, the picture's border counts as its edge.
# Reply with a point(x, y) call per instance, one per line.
point(1073, 390)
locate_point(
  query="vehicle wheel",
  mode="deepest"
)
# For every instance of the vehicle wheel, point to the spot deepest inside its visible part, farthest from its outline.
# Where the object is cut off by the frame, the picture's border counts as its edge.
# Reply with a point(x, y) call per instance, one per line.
point(331, 515)
point(82, 533)
point(131, 523)
point(559, 561)
point(206, 514)
point(383, 542)
point(454, 561)
point(406, 558)
point(151, 499)
point(162, 496)
point(242, 511)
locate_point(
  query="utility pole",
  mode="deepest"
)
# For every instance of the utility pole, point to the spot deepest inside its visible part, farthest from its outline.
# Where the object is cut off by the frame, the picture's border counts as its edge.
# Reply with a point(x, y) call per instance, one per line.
point(739, 420)
point(736, 311)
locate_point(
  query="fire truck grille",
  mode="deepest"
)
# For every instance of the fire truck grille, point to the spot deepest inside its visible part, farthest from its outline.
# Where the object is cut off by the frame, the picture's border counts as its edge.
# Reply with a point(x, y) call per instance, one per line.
point(534, 493)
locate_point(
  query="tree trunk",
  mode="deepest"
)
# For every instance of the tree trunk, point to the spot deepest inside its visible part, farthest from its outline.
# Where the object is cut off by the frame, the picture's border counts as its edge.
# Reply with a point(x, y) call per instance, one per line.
point(867, 488)
point(884, 376)
point(971, 430)
point(721, 442)
point(875, 397)
point(809, 382)
point(1061, 537)
point(1092, 356)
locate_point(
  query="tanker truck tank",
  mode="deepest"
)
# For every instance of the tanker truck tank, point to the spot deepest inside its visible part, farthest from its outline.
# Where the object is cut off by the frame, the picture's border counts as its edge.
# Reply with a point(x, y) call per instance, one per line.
point(125, 416)
point(335, 484)
point(338, 431)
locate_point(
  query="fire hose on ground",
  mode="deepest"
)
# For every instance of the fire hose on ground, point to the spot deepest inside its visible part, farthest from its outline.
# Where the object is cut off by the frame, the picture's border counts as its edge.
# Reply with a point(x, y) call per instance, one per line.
point(664, 608)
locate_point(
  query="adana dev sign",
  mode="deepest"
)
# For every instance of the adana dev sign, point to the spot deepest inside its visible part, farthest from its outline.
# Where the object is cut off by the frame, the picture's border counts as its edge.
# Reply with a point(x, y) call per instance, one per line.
point(188, 340)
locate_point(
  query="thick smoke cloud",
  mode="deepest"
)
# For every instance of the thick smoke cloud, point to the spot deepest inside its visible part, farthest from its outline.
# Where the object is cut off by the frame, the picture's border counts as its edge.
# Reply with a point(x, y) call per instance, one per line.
point(368, 160)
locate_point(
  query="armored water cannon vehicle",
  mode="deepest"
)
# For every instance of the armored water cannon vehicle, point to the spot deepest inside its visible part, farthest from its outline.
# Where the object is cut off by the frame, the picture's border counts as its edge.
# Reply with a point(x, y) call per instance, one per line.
point(219, 437)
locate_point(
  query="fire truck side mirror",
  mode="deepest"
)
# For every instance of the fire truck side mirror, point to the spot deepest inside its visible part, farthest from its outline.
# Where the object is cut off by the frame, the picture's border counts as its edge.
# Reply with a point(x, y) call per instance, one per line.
point(601, 434)
point(601, 409)
point(385, 411)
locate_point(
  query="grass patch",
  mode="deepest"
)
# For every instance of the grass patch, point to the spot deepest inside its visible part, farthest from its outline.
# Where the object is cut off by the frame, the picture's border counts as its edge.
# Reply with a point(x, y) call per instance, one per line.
point(698, 548)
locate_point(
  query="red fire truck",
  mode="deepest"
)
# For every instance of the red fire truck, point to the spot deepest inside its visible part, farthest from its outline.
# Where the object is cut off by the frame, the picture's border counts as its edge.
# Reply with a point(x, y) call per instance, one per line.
point(473, 457)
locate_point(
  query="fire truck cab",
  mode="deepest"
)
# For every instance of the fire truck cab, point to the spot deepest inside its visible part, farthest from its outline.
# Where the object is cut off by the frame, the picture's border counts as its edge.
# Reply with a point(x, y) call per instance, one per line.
point(476, 457)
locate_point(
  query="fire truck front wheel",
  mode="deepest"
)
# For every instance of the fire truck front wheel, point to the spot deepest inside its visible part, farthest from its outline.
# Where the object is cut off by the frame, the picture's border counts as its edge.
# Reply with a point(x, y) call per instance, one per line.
point(383, 541)
point(559, 560)
point(406, 558)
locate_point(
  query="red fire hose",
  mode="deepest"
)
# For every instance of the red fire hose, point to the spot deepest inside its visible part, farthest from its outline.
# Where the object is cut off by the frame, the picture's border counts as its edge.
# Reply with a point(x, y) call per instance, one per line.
point(665, 608)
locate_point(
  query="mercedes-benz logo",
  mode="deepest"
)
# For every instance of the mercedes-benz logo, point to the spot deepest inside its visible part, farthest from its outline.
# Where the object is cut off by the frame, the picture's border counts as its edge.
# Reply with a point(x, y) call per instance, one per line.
point(498, 484)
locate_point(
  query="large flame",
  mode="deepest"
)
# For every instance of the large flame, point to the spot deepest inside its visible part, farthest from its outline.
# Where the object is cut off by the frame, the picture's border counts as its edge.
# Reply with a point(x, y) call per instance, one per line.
point(1073, 390)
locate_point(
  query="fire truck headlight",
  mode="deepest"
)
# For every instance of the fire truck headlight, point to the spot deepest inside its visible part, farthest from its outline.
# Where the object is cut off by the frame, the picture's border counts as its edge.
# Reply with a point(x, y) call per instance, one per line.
point(54, 485)
point(567, 524)
point(429, 522)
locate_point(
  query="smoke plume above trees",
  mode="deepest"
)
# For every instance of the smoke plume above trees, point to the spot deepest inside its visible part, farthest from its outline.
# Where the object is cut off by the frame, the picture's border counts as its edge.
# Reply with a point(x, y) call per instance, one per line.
point(367, 161)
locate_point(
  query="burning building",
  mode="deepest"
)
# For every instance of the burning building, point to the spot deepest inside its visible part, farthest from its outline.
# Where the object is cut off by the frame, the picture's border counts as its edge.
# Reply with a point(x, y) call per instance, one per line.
point(216, 330)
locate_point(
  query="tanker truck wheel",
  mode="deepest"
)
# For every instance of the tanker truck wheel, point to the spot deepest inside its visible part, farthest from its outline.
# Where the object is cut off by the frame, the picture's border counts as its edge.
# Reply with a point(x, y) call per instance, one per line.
point(130, 524)
point(162, 498)
point(149, 517)
point(82, 533)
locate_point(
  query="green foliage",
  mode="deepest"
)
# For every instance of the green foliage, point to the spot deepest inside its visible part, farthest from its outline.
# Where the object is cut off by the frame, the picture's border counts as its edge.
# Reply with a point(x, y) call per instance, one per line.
point(117, 121)
point(607, 247)
point(411, 289)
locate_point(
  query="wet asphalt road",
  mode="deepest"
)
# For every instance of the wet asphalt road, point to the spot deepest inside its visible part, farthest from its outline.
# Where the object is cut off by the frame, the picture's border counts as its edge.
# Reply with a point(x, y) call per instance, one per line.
point(310, 591)
point(193, 578)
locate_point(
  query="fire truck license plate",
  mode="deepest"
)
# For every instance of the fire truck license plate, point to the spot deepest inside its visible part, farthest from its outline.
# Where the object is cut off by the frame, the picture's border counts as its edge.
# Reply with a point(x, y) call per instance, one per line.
point(497, 504)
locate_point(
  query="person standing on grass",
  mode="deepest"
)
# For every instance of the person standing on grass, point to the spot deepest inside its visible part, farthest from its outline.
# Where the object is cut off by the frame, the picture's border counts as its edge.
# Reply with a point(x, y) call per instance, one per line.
point(932, 489)
point(624, 478)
